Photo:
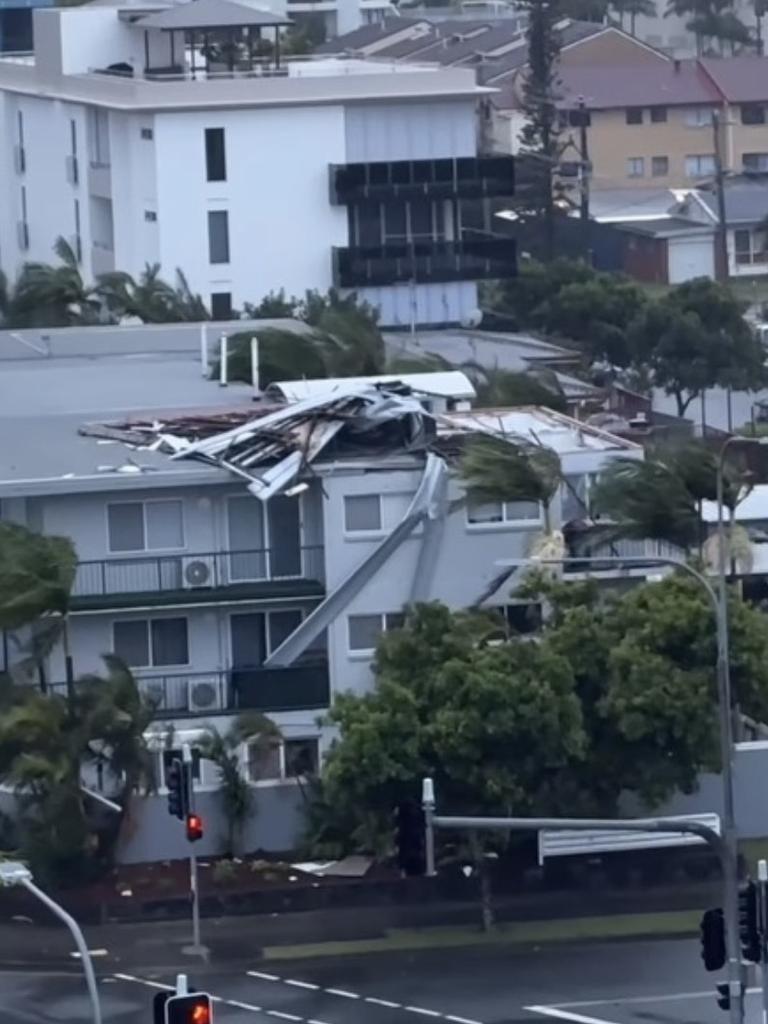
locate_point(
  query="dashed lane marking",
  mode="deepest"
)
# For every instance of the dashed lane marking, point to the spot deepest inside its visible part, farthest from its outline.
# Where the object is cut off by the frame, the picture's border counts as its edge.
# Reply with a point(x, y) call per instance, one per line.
point(302, 984)
point(424, 1012)
point(460, 1020)
point(283, 1016)
point(576, 1018)
point(390, 1004)
point(264, 976)
point(342, 992)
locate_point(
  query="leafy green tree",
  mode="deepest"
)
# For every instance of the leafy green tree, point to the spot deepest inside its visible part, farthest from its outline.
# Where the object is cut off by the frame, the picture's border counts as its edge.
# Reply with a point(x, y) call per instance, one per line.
point(596, 314)
point(540, 148)
point(273, 306)
point(224, 750)
point(694, 338)
point(503, 389)
point(712, 19)
point(488, 723)
point(37, 573)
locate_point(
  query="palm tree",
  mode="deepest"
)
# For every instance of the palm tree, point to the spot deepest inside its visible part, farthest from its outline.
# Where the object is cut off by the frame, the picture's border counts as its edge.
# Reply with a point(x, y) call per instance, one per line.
point(661, 497)
point(47, 295)
point(37, 574)
point(46, 741)
point(633, 8)
point(497, 388)
point(150, 298)
point(249, 727)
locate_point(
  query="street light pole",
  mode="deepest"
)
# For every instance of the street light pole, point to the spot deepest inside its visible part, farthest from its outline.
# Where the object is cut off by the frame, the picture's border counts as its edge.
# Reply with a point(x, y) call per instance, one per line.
point(730, 846)
point(16, 873)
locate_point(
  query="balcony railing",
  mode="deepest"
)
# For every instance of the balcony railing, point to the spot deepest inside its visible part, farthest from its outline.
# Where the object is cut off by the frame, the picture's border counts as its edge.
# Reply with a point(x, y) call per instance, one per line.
point(424, 262)
point(465, 177)
point(618, 549)
point(304, 686)
point(288, 569)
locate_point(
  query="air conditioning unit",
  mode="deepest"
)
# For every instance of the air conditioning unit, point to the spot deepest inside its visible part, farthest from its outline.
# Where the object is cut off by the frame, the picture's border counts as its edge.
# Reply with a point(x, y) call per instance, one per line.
point(154, 691)
point(204, 694)
point(197, 572)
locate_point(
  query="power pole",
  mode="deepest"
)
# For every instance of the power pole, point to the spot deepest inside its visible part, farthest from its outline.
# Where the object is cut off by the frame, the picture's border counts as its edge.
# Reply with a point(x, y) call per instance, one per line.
point(721, 250)
point(585, 171)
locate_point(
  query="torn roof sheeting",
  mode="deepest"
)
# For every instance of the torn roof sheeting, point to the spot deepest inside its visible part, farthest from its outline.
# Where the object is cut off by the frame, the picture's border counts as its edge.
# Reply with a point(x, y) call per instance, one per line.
point(271, 451)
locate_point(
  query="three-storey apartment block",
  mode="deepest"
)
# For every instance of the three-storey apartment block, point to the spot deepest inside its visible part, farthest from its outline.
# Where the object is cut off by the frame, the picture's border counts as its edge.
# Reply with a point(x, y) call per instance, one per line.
point(181, 136)
point(243, 551)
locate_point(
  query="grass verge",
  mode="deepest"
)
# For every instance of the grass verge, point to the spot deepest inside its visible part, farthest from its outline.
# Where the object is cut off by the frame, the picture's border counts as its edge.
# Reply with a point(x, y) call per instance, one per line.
point(522, 933)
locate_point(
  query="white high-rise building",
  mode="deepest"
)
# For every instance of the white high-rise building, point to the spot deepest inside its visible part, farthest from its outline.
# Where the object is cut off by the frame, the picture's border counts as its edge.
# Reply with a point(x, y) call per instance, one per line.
point(178, 135)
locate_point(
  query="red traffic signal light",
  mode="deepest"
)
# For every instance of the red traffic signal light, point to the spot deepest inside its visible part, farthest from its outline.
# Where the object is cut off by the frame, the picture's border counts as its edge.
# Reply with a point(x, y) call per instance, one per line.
point(194, 1008)
point(195, 832)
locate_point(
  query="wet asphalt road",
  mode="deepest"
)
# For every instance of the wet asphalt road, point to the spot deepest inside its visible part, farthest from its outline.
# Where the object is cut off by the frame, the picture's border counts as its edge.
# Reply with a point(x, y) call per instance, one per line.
point(646, 982)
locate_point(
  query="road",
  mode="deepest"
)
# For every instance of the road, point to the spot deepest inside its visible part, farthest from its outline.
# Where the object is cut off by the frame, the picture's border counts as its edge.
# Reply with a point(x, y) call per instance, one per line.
point(621, 983)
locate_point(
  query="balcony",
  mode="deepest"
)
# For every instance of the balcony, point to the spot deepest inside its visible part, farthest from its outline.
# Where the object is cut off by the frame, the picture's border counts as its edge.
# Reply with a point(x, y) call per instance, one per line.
point(301, 687)
point(465, 178)
point(198, 578)
point(425, 262)
point(596, 547)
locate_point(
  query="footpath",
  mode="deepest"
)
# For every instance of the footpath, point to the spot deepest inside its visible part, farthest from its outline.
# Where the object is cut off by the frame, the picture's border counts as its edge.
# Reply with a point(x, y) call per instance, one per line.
point(526, 921)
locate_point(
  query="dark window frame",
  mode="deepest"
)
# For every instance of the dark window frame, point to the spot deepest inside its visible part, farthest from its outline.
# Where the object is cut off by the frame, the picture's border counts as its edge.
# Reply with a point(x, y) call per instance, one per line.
point(218, 238)
point(215, 155)
point(633, 115)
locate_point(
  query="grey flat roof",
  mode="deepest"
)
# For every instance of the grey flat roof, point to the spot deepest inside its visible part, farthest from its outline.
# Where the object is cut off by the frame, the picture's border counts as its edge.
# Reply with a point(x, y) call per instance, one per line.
point(96, 375)
point(204, 14)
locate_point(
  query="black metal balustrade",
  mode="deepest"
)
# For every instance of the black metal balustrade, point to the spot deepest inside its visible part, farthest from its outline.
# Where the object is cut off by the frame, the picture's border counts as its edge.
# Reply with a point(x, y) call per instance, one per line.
point(425, 261)
point(131, 579)
point(461, 177)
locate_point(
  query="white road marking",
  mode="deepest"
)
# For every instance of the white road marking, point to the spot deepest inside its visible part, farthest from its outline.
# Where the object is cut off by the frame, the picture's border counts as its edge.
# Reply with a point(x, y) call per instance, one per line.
point(390, 1005)
point(342, 992)
point(630, 1000)
point(302, 984)
point(146, 981)
point(244, 1006)
point(577, 1018)
point(283, 1016)
point(460, 1020)
point(313, 1021)
point(421, 1010)
point(93, 952)
point(263, 975)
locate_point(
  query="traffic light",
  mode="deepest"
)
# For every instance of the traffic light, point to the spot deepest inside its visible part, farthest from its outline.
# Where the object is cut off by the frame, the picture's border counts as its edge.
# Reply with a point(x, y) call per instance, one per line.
point(411, 851)
point(724, 995)
point(713, 939)
point(194, 1008)
point(749, 930)
point(177, 781)
point(194, 827)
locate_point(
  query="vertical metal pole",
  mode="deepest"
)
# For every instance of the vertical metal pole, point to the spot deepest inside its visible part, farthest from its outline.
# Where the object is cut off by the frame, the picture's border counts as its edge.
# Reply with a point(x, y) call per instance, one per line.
point(428, 804)
point(77, 935)
point(762, 888)
point(195, 899)
point(196, 949)
point(722, 270)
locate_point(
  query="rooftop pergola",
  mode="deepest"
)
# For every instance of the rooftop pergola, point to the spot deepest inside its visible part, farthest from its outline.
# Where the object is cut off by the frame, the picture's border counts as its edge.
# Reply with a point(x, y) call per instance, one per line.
point(225, 22)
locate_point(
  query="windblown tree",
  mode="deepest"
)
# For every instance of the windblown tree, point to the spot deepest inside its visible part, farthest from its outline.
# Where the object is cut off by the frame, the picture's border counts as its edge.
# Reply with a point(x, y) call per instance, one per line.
point(47, 743)
point(53, 295)
point(149, 298)
point(223, 748)
point(37, 573)
point(633, 9)
point(712, 20)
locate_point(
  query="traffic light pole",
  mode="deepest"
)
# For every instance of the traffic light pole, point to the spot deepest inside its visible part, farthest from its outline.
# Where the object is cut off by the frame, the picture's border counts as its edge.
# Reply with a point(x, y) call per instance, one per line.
point(719, 844)
point(197, 948)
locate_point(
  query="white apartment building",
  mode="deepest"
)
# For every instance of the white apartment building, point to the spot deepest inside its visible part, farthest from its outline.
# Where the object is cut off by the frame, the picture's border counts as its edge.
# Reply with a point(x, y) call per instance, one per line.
point(230, 584)
point(166, 135)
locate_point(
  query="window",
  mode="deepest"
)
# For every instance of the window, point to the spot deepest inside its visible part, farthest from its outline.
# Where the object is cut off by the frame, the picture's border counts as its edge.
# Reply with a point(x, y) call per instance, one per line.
point(496, 512)
point(145, 526)
point(218, 236)
point(147, 133)
point(634, 115)
point(221, 305)
point(523, 618)
point(575, 118)
point(698, 117)
point(699, 166)
point(752, 113)
point(362, 513)
point(276, 761)
point(98, 137)
point(150, 216)
point(658, 115)
point(750, 246)
point(659, 166)
point(755, 162)
point(365, 630)
point(215, 155)
point(145, 643)
point(24, 224)
point(635, 166)
point(78, 246)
